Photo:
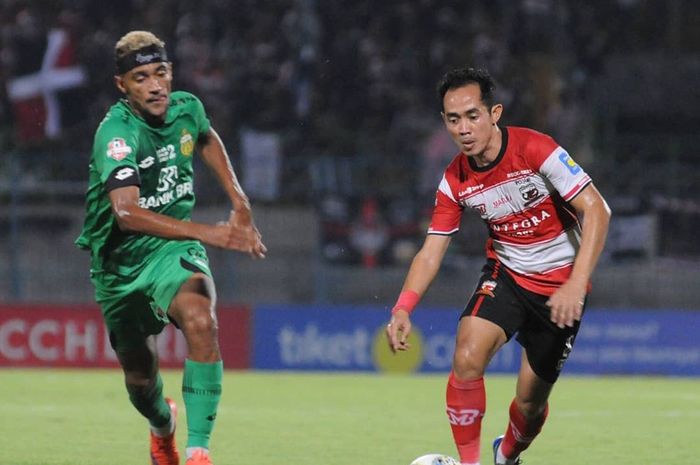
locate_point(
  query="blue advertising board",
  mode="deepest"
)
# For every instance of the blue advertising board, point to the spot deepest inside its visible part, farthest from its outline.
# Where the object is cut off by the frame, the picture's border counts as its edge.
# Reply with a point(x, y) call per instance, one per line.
point(658, 342)
point(352, 338)
point(346, 338)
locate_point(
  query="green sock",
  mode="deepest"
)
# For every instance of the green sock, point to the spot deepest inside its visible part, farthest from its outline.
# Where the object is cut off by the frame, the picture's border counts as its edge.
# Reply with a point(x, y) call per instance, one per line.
point(149, 401)
point(201, 390)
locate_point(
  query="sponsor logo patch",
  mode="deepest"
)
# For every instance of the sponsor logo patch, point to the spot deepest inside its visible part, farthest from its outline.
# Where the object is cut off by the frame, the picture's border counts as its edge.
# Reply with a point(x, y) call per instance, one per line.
point(521, 227)
point(145, 58)
point(117, 149)
point(518, 173)
point(469, 190)
point(166, 153)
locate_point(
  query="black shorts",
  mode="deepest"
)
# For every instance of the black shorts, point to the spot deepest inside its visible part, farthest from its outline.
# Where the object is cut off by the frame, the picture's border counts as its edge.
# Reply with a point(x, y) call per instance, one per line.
point(499, 299)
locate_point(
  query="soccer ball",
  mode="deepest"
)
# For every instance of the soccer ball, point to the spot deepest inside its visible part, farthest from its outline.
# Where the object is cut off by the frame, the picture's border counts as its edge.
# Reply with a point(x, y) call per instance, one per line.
point(435, 459)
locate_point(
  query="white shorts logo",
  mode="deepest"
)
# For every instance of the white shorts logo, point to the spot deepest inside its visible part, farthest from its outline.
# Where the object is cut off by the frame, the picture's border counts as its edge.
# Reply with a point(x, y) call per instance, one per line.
point(568, 347)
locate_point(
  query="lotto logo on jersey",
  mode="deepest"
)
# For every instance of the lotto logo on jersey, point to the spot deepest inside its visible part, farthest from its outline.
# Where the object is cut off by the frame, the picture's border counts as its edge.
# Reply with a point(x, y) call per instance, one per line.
point(569, 163)
point(146, 163)
point(125, 173)
point(117, 149)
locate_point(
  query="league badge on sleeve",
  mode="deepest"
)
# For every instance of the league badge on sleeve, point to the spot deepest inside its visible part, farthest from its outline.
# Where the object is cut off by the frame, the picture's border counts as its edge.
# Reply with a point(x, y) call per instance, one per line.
point(569, 163)
point(117, 149)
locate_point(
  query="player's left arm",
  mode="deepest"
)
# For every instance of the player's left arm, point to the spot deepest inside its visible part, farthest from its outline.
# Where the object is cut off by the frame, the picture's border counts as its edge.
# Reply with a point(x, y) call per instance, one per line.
point(214, 154)
point(567, 301)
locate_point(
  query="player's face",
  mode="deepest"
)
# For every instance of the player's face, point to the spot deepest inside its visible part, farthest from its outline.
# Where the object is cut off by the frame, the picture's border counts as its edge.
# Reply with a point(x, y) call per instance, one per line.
point(469, 121)
point(148, 88)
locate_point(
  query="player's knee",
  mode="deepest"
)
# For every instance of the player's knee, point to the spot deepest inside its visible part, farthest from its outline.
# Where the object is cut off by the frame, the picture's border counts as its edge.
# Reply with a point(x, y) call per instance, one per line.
point(136, 380)
point(467, 365)
point(199, 322)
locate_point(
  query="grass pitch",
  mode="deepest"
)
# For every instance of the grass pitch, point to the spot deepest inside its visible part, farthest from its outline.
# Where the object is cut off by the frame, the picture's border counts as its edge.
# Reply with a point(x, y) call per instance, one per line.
point(69, 417)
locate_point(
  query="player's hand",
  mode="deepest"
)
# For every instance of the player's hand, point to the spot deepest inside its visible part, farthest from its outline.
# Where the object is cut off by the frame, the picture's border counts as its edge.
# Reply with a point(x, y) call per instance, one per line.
point(397, 331)
point(566, 304)
point(219, 235)
point(244, 235)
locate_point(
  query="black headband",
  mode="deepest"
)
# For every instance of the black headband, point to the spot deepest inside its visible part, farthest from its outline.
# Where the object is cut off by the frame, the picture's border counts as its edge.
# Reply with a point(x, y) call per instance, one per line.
point(143, 56)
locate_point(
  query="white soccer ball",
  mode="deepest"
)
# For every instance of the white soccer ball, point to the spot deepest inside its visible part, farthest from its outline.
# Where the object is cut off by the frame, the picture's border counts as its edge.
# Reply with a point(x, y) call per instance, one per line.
point(435, 459)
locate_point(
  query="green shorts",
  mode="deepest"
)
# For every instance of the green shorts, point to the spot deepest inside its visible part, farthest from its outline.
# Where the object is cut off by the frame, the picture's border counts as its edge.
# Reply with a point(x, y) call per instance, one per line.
point(134, 306)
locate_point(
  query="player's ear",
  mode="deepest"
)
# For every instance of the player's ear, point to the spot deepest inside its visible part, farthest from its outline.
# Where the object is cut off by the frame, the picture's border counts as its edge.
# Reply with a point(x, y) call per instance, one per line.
point(496, 112)
point(119, 82)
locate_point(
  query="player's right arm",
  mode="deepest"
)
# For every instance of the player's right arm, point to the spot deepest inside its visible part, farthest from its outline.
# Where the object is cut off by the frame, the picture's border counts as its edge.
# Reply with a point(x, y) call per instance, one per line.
point(132, 218)
point(114, 158)
point(446, 218)
point(423, 270)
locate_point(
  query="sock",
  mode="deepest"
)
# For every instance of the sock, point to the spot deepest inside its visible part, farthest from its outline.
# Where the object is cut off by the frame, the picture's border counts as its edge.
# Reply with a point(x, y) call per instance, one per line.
point(466, 405)
point(201, 391)
point(520, 432)
point(149, 401)
point(189, 452)
point(163, 431)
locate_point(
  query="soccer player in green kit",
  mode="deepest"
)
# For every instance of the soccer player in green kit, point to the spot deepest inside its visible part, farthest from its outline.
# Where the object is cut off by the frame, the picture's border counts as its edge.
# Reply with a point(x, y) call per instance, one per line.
point(148, 265)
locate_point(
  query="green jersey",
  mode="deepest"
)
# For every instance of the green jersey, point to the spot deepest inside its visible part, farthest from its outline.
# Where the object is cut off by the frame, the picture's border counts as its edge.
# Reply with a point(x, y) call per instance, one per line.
point(129, 152)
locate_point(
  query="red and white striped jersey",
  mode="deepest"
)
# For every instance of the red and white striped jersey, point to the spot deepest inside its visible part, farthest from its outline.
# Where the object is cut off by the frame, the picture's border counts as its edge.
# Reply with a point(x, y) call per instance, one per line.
point(523, 198)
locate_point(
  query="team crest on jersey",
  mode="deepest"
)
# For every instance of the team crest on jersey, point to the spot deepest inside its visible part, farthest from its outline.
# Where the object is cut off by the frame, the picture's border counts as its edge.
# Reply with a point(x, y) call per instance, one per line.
point(529, 193)
point(186, 143)
point(487, 288)
point(117, 149)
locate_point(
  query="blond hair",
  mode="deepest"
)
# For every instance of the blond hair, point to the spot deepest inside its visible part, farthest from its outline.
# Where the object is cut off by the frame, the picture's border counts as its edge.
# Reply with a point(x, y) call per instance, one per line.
point(135, 40)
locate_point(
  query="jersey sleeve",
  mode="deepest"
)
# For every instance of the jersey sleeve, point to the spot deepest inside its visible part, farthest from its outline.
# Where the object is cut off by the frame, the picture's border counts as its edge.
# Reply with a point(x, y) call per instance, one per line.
point(567, 177)
point(447, 213)
point(203, 123)
point(114, 155)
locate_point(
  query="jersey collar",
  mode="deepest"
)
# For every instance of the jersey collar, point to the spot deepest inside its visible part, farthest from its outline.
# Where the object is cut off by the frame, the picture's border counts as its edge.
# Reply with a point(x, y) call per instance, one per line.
point(499, 157)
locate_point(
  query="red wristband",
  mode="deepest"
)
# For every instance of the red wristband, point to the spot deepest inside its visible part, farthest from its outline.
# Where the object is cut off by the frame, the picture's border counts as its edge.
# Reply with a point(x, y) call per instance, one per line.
point(407, 301)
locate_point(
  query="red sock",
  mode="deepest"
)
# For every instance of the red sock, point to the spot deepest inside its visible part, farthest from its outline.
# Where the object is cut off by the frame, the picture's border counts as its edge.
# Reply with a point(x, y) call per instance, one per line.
point(521, 432)
point(466, 404)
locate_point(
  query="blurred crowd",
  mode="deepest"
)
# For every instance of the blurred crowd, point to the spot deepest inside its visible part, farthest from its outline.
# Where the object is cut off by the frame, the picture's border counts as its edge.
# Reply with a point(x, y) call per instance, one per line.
point(341, 78)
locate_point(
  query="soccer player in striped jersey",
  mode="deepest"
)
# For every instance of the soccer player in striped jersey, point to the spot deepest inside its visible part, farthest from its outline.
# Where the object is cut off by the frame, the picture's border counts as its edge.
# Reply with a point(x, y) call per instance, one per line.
point(539, 258)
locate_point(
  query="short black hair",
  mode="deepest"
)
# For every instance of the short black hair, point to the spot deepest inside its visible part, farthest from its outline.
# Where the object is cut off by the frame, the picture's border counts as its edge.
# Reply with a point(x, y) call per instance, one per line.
point(460, 77)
